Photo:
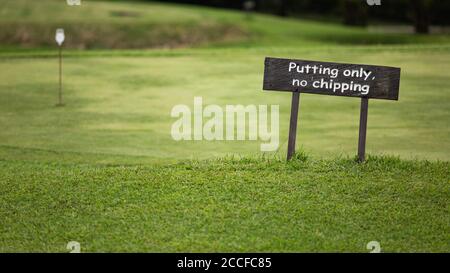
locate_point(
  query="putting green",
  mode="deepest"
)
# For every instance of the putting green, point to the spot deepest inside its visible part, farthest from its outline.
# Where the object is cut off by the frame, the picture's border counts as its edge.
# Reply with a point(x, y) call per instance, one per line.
point(119, 105)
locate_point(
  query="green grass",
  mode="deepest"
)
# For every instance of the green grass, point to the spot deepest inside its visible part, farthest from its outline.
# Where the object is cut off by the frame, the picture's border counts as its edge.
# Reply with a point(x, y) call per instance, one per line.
point(249, 205)
point(103, 24)
point(121, 105)
point(110, 25)
point(104, 170)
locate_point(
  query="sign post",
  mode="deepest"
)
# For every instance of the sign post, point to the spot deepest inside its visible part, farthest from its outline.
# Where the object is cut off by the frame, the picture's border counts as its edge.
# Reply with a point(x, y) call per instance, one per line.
point(336, 79)
point(363, 129)
point(60, 37)
point(295, 104)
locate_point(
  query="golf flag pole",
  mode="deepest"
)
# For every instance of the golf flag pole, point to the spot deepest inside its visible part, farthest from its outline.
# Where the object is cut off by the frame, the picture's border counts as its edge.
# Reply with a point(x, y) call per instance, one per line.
point(60, 77)
point(60, 37)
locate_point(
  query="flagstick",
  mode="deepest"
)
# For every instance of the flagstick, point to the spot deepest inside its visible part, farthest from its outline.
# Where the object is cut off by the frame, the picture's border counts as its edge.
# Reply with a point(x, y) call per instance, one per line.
point(60, 76)
point(60, 103)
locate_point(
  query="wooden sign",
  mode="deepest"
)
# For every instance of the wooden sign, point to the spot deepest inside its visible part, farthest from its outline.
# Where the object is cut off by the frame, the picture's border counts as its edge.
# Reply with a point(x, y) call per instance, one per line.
point(352, 80)
point(335, 79)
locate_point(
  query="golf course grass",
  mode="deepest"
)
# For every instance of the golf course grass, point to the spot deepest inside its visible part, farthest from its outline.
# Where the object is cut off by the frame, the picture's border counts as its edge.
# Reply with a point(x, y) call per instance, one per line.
point(250, 205)
point(104, 170)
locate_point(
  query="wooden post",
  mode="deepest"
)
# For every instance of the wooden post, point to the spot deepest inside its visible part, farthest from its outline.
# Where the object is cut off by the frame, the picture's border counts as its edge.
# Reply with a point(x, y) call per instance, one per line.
point(363, 129)
point(293, 124)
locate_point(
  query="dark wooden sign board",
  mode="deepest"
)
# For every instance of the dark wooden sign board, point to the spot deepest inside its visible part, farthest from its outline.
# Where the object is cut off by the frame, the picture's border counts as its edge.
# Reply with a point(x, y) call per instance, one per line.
point(335, 79)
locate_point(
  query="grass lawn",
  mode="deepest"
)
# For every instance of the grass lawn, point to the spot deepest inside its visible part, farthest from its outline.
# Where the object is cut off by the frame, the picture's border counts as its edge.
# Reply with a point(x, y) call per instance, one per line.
point(104, 170)
point(226, 205)
point(121, 105)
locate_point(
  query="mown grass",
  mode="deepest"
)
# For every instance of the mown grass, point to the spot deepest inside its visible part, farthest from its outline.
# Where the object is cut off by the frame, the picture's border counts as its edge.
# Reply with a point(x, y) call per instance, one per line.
point(120, 105)
point(30, 24)
point(247, 204)
point(104, 170)
point(119, 101)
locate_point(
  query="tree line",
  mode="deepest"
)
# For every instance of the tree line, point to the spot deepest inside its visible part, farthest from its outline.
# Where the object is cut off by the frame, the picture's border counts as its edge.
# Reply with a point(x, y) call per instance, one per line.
point(420, 13)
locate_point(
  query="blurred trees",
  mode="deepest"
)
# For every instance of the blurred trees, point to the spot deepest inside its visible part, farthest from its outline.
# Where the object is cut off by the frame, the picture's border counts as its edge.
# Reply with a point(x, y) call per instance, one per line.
point(420, 13)
point(355, 13)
